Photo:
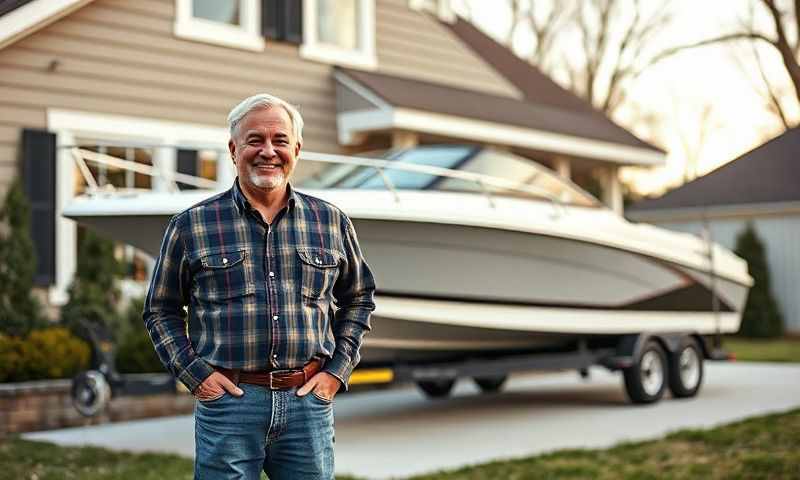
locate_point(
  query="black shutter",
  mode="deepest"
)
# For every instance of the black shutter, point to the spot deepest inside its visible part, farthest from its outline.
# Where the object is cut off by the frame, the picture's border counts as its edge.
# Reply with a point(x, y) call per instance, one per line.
point(270, 16)
point(282, 20)
point(39, 178)
point(187, 163)
point(293, 16)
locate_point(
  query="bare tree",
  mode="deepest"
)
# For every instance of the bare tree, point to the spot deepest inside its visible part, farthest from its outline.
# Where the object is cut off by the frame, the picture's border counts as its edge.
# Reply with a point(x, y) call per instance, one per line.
point(782, 34)
point(693, 139)
point(613, 36)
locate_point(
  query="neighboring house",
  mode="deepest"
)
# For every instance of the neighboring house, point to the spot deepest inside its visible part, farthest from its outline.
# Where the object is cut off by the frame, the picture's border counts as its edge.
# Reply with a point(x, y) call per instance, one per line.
point(762, 187)
point(161, 75)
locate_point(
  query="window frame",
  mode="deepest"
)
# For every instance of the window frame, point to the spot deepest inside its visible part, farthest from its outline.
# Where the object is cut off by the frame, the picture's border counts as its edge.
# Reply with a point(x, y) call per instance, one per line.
point(246, 36)
point(364, 57)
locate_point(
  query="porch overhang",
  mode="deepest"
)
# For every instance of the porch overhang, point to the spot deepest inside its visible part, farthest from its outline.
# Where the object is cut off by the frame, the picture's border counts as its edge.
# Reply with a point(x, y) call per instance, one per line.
point(362, 111)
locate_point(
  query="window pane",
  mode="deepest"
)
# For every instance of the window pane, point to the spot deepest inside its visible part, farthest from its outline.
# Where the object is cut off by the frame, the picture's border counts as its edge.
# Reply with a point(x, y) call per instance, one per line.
point(145, 157)
point(207, 167)
point(444, 157)
point(223, 11)
point(338, 23)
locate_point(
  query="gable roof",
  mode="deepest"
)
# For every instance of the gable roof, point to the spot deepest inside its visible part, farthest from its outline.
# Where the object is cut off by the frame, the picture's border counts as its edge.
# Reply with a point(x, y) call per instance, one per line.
point(539, 88)
point(769, 173)
point(19, 18)
point(8, 5)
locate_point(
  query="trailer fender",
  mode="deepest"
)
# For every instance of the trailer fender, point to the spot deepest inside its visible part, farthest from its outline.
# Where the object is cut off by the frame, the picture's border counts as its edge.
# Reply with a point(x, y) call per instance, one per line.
point(629, 347)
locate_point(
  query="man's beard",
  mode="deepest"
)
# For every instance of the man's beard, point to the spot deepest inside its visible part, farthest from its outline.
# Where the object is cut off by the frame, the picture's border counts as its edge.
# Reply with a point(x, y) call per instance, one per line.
point(267, 182)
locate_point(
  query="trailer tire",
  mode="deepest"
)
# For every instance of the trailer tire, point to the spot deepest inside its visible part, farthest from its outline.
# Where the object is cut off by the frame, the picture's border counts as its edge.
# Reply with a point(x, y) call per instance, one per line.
point(646, 379)
point(491, 384)
point(686, 369)
point(436, 388)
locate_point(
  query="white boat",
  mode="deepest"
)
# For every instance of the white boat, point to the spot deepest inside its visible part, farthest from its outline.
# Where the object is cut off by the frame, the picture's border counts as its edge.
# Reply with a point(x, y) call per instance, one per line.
point(480, 251)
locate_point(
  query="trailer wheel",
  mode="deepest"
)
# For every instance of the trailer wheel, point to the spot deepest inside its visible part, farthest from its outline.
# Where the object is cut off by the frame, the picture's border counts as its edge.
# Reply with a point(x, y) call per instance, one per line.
point(436, 388)
point(490, 384)
point(686, 369)
point(646, 379)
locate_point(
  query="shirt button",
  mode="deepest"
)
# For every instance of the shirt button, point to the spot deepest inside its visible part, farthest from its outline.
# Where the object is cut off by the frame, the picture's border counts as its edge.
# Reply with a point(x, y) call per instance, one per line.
point(274, 317)
point(275, 356)
point(224, 261)
point(271, 274)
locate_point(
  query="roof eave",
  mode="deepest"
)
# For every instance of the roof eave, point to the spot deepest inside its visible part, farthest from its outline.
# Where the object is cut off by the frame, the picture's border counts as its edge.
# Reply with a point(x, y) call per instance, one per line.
point(354, 124)
point(683, 214)
point(29, 18)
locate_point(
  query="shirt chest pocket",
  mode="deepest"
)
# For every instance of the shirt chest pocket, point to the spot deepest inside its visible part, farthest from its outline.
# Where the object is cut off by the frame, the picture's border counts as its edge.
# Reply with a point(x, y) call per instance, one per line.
point(319, 269)
point(222, 276)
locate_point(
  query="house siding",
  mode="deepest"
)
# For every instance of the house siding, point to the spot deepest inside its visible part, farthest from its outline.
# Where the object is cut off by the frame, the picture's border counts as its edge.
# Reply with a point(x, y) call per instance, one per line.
point(780, 235)
point(120, 57)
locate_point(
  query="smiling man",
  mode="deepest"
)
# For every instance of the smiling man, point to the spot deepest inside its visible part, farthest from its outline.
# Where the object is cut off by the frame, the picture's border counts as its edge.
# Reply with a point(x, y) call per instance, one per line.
point(241, 308)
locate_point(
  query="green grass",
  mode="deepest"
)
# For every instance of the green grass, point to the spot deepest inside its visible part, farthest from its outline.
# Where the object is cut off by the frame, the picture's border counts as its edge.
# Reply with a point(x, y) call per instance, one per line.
point(749, 350)
point(26, 460)
point(757, 448)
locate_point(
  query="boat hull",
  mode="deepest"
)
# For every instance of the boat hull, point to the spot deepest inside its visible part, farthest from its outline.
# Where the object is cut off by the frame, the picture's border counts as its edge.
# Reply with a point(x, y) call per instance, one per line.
point(449, 289)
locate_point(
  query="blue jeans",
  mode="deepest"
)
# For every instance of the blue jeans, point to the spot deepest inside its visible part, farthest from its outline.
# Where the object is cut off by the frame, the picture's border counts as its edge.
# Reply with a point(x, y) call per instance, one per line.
point(286, 436)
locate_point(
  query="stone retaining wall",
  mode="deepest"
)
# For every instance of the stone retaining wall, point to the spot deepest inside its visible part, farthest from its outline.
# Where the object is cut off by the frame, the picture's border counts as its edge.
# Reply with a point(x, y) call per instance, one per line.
point(46, 405)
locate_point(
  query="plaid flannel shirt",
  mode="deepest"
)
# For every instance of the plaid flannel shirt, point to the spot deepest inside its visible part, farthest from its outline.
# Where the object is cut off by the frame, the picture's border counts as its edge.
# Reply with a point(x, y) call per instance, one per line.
point(258, 296)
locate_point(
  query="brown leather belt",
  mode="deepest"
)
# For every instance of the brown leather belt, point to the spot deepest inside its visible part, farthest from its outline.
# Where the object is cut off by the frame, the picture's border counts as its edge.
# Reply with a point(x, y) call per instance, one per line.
point(274, 379)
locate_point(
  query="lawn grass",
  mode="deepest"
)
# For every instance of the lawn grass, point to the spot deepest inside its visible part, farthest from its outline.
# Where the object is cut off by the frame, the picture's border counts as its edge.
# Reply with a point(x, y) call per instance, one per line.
point(28, 460)
point(758, 448)
point(750, 350)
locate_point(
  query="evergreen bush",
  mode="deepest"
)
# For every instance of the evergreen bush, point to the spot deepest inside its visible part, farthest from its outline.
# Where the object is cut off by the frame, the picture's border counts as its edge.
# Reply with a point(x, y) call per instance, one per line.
point(135, 352)
point(761, 317)
point(20, 312)
point(93, 295)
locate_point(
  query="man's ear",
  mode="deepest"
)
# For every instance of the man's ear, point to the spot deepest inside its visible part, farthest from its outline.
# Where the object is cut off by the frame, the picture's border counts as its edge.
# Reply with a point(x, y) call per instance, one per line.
point(232, 149)
point(297, 147)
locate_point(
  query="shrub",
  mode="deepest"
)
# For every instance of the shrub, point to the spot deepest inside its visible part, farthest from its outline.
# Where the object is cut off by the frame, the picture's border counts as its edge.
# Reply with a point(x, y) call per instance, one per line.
point(55, 353)
point(20, 312)
point(10, 358)
point(761, 317)
point(135, 352)
point(43, 354)
point(93, 293)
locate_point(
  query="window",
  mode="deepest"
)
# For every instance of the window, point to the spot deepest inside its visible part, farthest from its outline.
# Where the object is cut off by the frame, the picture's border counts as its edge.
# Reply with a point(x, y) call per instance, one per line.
point(544, 184)
point(199, 163)
point(107, 175)
point(341, 32)
point(220, 11)
point(232, 23)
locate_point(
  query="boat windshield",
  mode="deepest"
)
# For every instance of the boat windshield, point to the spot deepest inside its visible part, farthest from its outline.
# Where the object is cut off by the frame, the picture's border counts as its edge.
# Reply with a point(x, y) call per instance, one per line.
point(507, 167)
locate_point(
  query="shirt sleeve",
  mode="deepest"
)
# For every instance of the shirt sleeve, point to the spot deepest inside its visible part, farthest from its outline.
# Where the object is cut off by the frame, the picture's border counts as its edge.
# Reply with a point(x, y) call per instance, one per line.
point(164, 314)
point(354, 295)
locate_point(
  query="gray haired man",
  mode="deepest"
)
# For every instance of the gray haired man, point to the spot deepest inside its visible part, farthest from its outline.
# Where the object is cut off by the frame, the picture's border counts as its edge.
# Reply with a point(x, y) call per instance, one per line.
point(258, 267)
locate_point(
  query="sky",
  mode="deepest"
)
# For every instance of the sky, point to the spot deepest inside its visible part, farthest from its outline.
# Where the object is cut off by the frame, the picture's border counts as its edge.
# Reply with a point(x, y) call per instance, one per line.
point(679, 90)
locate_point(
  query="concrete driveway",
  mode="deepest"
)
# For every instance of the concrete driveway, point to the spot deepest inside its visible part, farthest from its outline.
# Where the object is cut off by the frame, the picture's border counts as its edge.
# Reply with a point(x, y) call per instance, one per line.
point(398, 432)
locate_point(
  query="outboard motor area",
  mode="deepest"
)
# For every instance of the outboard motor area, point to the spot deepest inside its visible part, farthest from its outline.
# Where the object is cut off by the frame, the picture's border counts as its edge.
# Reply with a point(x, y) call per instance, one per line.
point(92, 390)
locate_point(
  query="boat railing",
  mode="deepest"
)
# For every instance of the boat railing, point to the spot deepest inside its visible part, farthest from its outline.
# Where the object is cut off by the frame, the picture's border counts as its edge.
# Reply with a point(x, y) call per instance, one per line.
point(82, 156)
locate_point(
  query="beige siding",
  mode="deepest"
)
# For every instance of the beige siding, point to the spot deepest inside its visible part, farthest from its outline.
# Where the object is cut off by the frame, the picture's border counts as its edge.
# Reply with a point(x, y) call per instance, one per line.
point(121, 57)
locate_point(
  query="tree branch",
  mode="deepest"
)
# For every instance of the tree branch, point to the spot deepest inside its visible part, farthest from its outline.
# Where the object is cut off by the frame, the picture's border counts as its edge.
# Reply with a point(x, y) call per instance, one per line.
point(703, 43)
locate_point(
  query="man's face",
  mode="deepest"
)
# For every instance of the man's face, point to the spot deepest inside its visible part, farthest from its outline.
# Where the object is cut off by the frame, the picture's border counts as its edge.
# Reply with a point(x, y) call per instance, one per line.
point(264, 149)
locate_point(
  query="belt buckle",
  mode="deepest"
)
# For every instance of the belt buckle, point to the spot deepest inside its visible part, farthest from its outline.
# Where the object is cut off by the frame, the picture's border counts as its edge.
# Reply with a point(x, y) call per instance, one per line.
point(272, 377)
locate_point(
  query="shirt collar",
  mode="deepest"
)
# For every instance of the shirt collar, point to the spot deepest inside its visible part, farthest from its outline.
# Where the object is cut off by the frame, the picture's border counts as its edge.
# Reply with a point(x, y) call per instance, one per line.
point(243, 205)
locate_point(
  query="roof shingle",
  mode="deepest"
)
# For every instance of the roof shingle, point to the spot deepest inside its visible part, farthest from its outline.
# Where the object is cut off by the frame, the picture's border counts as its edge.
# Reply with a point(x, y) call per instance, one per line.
point(769, 173)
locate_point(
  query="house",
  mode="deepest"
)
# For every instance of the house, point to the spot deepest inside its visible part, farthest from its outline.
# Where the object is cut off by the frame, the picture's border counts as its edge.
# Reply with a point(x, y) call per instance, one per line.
point(762, 187)
point(153, 80)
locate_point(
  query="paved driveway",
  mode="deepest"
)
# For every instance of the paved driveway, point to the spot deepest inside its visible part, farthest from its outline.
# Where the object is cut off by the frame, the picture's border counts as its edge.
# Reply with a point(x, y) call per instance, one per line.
point(397, 433)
